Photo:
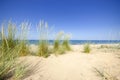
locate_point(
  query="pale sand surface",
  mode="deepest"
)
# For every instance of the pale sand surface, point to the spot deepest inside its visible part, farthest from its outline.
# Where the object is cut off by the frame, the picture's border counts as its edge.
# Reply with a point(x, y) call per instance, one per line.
point(74, 65)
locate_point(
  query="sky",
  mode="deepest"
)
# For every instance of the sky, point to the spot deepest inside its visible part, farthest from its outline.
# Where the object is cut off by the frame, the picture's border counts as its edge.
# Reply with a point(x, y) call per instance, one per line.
point(83, 19)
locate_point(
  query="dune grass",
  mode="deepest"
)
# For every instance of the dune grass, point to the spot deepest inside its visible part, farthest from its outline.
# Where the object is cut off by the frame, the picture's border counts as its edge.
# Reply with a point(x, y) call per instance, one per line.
point(87, 48)
point(8, 37)
point(24, 28)
point(10, 48)
point(57, 48)
point(43, 42)
point(61, 43)
point(13, 45)
point(65, 43)
point(24, 50)
point(57, 41)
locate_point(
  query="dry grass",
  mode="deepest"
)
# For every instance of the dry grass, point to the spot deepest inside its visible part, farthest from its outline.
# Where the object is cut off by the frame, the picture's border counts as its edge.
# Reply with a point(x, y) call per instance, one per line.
point(43, 42)
point(66, 44)
point(87, 48)
point(10, 48)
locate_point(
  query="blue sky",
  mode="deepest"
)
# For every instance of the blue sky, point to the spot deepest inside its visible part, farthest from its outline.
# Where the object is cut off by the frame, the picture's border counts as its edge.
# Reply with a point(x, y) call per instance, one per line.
point(84, 19)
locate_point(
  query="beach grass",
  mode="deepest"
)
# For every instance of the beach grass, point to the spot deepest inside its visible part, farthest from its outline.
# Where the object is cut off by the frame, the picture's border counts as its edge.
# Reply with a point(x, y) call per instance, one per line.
point(8, 66)
point(9, 52)
point(61, 43)
point(65, 43)
point(24, 30)
point(8, 39)
point(87, 48)
point(57, 43)
point(43, 41)
point(57, 47)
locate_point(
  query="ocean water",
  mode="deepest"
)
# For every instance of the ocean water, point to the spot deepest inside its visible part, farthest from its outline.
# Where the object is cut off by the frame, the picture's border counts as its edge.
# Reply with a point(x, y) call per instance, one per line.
point(74, 42)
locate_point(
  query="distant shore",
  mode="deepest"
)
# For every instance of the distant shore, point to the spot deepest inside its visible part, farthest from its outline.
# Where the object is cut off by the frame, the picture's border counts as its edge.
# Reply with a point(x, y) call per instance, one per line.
point(34, 47)
point(76, 42)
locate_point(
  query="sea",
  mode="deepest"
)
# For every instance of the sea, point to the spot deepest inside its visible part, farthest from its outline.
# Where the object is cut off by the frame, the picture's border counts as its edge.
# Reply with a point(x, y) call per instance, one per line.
point(75, 42)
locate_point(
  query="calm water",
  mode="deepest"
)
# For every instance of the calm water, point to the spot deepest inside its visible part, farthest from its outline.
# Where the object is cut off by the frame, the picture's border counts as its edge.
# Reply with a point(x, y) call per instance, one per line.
point(74, 42)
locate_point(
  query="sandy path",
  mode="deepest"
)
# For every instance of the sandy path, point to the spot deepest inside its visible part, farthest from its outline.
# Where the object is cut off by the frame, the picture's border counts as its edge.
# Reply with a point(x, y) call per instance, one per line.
point(72, 66)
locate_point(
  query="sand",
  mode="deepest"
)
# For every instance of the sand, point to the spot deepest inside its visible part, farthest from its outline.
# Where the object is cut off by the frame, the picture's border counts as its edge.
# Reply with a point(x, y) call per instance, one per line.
point(74, 65)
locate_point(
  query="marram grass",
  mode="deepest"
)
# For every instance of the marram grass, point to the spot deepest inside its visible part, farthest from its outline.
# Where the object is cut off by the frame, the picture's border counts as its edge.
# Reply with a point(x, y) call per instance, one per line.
point(13, 45)
point(24, 50)
point(8, 39)
point(87, 48)
point(60, 46)
point(65, 43)
point(10, 49)
point(43, 49)
point(8, 66)
point(43, 42)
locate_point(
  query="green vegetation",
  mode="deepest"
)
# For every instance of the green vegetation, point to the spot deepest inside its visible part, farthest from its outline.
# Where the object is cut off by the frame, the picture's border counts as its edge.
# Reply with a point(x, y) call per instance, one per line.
point(43, 49)
point(58, 49)
point(118, 46)
point(10, 48)
point(8, 67)
point(57, 44)
point(115, 46)
point(104, 46)
point(24, 50)
point(43, 43)
point(14, 44)
point(60, 46)
point(7, 39)
point(24, 28)
point(87, 48)
point(65, 43)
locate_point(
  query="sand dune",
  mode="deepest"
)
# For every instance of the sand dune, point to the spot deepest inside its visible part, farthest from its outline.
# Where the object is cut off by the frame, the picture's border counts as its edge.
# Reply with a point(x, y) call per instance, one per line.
point(74, 65)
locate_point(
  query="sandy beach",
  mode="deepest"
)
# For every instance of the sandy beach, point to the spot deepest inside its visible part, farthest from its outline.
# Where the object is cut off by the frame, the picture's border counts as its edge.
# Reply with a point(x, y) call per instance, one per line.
point(100, 64)
point(59, 39)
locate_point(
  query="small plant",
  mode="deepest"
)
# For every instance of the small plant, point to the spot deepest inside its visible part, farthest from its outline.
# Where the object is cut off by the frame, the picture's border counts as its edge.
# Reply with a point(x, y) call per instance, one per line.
point(65, 43)
point(43, 49)
point(104, 46)
point(58, 49)
point(57, 41)
point(87, 48)
point(118, 46)
point(56, 45)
